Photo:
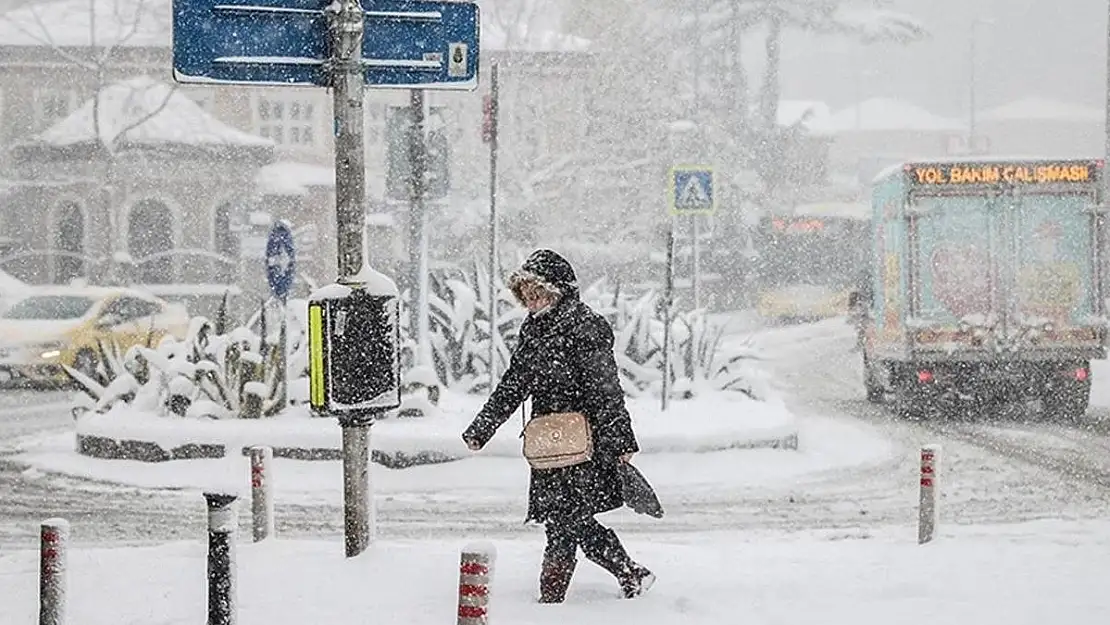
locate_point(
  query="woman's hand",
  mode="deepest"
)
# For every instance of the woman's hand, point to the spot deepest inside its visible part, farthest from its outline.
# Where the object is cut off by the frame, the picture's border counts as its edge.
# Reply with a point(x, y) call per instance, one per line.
point(626, 457)
point(472, 444)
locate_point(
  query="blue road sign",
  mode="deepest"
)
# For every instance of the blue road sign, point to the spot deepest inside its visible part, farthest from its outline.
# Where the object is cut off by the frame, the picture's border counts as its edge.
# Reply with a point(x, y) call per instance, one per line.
point(406, 43)
point(691, 191)
point(281, 259)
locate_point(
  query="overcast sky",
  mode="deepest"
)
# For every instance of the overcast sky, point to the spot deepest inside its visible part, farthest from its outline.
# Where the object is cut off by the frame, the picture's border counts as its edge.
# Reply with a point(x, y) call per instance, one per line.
point(1052, 48)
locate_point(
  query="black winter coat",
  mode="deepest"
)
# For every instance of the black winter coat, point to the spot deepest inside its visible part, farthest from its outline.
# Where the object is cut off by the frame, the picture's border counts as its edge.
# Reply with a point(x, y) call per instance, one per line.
point(564, 362)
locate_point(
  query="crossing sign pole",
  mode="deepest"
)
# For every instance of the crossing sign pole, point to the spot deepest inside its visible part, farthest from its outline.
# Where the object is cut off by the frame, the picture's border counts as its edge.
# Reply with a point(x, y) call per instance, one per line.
point(427, 44)
point(691, 193)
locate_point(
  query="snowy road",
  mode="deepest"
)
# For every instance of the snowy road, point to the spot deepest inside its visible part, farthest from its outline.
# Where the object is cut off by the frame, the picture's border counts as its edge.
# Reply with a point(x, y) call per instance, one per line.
point(1001, 472)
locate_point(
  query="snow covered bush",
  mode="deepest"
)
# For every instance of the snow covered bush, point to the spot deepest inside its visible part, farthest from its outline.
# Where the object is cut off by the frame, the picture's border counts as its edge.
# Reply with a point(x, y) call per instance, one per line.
point(459, 336)
point(206, 374)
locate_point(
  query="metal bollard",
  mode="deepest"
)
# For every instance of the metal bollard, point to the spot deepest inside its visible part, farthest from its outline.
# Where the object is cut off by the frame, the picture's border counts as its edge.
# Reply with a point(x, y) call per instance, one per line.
point(222, 522)
point(475, 570)
point(927, 499)
point(53, 536)
point(262, 492)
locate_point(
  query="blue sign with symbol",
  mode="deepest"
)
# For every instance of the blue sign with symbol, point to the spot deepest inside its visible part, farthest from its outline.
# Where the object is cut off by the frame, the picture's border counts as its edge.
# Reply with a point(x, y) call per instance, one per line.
point(406, 43)
point(281, 259)
point(691, 191)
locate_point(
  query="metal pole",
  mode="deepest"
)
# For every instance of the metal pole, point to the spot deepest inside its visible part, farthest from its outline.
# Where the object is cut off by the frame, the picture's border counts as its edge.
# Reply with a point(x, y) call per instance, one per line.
point(53, 547)
point(927, 494)
point(350, 166)
point(283, 354)
point(697, 262)
point(262, 492)
point(222, 523)
point(418, 159)
point(346, 28)
point(356, 486)
point(668, 301)
point(971, 94)
point(493, 331)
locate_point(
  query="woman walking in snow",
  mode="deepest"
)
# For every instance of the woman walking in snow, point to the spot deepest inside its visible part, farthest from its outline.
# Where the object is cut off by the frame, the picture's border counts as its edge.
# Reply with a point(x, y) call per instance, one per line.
point(564, 362)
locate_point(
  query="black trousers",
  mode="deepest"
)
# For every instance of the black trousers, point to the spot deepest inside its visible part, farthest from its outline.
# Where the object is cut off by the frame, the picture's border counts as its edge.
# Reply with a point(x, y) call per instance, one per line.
point(600, 544)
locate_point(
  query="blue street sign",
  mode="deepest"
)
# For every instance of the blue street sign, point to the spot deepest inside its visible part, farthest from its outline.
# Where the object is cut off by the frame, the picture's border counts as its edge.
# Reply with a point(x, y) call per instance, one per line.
point(691, 191)
point(281, 259)
point(406, 43)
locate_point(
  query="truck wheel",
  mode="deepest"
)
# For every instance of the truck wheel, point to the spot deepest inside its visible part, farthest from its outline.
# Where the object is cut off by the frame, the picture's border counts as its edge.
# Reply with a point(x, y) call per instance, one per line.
point(1067, 403)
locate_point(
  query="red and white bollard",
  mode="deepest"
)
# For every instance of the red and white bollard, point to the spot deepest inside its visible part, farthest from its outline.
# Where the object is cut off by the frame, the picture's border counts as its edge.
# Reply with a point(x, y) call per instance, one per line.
point(53, 537)
point(262, 492)
point(475, 570)
point(927, 500)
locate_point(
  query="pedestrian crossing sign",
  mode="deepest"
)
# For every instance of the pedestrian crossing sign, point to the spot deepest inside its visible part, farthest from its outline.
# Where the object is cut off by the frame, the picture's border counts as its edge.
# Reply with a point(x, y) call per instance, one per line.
point(691, 191)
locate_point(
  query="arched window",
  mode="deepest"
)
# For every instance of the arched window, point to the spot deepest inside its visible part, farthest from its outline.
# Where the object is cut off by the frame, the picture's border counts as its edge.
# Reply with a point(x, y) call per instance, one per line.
point(69, 242)
point(149, 239)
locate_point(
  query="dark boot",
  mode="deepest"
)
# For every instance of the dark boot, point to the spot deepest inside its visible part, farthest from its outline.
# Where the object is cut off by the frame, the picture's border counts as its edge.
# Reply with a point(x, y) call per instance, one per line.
point(555, 579)
point(604, 548)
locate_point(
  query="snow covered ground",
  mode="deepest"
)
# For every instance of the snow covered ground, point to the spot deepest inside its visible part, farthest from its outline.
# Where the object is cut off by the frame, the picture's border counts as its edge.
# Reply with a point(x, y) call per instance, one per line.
point(496, 474)
point(1034, 573)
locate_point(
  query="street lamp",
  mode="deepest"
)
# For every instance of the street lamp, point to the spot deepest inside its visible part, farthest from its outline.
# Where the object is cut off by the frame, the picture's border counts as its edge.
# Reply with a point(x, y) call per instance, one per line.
point(980, 21)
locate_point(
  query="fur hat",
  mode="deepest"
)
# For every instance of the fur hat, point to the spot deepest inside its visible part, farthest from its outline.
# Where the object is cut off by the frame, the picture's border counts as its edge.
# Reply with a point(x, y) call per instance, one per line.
point(547, 269)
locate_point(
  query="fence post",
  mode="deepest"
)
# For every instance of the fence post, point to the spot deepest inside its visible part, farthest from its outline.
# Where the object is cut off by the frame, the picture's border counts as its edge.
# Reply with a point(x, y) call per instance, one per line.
point(927, 500)
point(53, 536)
point(262, 492)
point(222, 523)
point(475, 569)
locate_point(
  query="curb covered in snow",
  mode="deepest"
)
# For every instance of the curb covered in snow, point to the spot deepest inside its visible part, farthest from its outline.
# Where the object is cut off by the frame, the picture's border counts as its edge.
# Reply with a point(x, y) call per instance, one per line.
point(693, 426)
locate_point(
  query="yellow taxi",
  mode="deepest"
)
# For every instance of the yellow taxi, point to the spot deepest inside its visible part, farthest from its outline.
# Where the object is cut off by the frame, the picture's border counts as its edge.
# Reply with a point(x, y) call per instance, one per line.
point(54, 326)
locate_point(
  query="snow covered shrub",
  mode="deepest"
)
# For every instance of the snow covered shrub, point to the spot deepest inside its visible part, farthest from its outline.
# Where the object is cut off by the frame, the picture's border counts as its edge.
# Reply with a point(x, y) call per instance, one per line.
point(459, 335)
point(113, 377)
point(695, 358)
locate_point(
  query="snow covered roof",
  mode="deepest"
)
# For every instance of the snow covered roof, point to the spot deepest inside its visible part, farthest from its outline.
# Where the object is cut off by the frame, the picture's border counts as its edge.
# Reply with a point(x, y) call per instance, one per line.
point(292, 178)
point(148, 23)
point(813, 115)
point(889, 114)
point(89, 23)
point(1043, 109)
point(146, 112)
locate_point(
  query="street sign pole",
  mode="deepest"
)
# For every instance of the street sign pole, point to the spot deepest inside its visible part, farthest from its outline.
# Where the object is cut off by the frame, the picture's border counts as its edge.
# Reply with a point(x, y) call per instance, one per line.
point(492, 121)
point(418, 218)
point(697, 261)
point(668, 303)
point(345, 26)
point(394, 44)
point(281, 268)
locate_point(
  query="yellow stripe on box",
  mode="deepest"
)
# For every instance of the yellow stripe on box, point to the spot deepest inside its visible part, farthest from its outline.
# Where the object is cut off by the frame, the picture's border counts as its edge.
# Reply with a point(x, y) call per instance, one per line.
point(316, 354)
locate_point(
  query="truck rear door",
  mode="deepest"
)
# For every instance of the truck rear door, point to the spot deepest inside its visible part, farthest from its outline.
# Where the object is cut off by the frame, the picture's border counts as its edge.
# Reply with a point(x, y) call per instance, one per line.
point(953, 279)
point(1051, 299)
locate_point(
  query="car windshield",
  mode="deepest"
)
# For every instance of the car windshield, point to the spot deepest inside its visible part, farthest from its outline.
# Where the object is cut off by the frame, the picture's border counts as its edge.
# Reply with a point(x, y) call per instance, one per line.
point(50, 307)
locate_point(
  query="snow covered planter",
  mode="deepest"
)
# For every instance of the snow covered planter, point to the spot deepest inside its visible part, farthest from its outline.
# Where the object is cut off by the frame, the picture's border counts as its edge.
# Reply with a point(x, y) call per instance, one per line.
point(207, 375)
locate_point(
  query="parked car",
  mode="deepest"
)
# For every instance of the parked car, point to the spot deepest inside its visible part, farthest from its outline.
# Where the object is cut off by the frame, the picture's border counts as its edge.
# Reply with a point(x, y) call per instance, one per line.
point(11, 289)
point(56, 326)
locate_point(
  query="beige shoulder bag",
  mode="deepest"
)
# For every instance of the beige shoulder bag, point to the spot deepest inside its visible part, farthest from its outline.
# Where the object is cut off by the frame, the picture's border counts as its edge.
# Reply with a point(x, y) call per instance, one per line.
point(557, 440)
